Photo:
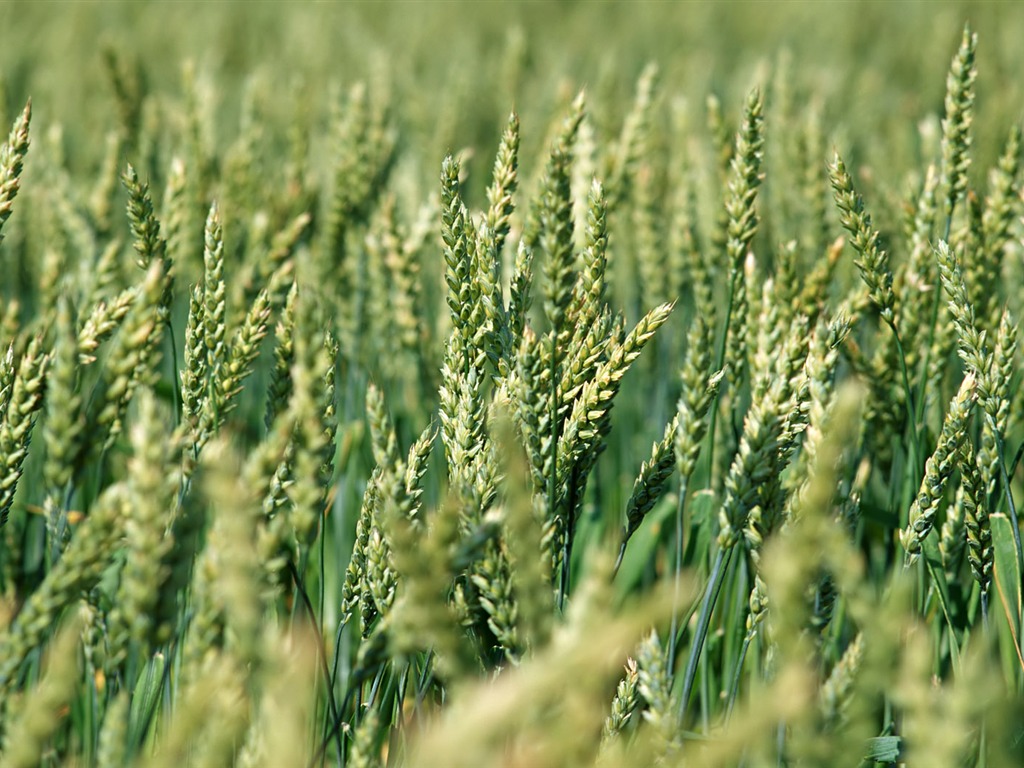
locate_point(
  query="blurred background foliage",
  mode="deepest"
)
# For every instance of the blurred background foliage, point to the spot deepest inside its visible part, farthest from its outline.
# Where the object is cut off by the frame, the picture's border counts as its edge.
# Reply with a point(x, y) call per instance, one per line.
point(457, 68)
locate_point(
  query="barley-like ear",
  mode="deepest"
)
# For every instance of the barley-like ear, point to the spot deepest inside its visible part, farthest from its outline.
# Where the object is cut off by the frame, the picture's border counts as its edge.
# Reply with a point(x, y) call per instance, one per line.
point(268, 471)
point(8, 372)
point(956, 126)
point(180, 213)
point(952, 537)
point(744, 180)
point(980, 554)
point(874, 261)
point(382, 432)
point(1000, 376)
point(815, 394)
point(491, 577)
point(236, 367)
point(422, 615)
point(153, 485)
point(226, 591)
point(839, 686)
point(740, 226)
point(938, 469)
point(1002, 206)
point(112, 749)
point(12, 158)
point(655, 689)
point(365, 751)
point(149, 245)
point(463, 419)
point(815, 284)
point(524, 540)
point(211, 719)
point(26, 736)
point(10, 324)
point(973, 346)
point(79, 569)
point(700, 391)
point(352, 589)
point(525, 389)
point(282, 248)
point(587, 352)
point(505, 180)
point(652, 258)
point(106, 275)
point(634, 140)
point(18, 420)
point(916, 297)
point(133, 358)
point(791, 367)
point(623, 704)
point(763, 449)
point(104, 318)
point(588, 297)
point(401, 289)
point(313, 407)
point(125, 82)
point(280, 387)
point(214, 290)
point(195, 372)
point(552, 232)
point(459, 245)
point(380, 578)
point(589, 419)
point(520, 296)
point(689, 263)
point(652, 481)
point(285, 710)
point(65, 423)
point(101, 201)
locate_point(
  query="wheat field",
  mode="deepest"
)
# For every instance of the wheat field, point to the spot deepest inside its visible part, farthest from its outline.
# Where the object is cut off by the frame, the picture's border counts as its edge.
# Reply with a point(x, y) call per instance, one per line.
point(527, 384)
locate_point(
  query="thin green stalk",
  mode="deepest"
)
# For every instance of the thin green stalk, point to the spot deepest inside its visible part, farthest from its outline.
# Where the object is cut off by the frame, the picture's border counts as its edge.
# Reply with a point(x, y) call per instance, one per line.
point(1010, 505)
point(953, 644)
point(734, 687)
point(703, 621)
point(570, 534)
point(911, 410)
point(1016, 460)
point(677, 575)
point(320, 647)
point(403, 684)
point(175, 378)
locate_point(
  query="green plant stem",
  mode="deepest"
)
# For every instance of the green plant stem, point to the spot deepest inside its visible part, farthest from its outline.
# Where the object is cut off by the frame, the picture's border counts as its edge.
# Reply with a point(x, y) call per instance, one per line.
point(1011, 507)
point(677, 571)
point(923, 395)
point(570, 533)
point(911, 410)
point(734, 687)
point(175, 377)
point(719, 362)
point(1016, 460)
point(321, 648)
point(936, 303)
point(704, 620)
point(954, 646)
